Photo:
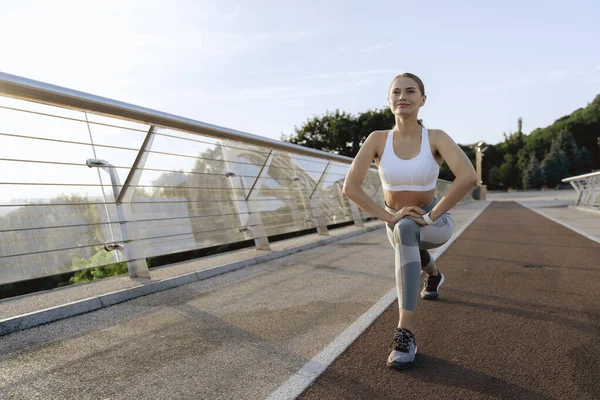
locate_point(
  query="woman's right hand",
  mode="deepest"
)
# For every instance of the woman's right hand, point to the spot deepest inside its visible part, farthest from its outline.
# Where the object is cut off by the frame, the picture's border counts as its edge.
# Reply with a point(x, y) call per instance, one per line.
point(409, 211)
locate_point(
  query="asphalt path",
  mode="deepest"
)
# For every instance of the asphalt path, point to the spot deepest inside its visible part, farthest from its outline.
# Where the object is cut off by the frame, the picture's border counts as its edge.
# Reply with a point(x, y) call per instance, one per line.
point(518, 318)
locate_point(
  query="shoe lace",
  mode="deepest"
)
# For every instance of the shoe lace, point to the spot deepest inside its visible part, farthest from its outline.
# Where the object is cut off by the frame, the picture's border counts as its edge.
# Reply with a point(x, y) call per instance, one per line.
point(431, 283)
point(402, 339)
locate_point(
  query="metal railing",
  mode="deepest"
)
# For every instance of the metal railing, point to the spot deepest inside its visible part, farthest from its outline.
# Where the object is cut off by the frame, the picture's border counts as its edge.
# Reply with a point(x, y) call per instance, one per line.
point(588, 189)
point(87, 181)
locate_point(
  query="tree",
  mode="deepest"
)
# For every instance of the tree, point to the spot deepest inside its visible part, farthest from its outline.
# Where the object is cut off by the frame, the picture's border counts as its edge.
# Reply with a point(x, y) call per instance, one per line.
point(509, 172)
point(583, 124)
point(555, 165)
point(533, 177)
point(565, 142)
point(339, 132)
point(106, 267)
point(587, 159)
point(493, 157)
point(513, 142)
point(493, 178)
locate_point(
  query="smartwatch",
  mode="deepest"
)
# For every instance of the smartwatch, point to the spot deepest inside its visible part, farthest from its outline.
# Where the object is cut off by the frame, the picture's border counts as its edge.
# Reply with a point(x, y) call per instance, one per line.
point(427, 219)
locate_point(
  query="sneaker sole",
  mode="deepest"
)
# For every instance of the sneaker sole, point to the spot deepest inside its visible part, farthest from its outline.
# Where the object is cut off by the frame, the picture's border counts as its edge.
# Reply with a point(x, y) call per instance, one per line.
point(401, 365)
point(434, 296)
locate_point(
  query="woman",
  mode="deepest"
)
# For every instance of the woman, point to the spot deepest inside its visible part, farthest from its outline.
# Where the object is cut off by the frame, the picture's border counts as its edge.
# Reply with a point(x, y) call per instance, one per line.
point(408, 158)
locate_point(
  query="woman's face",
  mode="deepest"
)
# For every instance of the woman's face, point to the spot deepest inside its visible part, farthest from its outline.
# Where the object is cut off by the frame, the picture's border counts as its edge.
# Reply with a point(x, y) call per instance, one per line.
point(405, 97)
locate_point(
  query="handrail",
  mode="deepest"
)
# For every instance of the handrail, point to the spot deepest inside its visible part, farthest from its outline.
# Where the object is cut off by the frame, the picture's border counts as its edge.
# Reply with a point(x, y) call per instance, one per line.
point(31, 90)
point(228, 194)
point(578, 177)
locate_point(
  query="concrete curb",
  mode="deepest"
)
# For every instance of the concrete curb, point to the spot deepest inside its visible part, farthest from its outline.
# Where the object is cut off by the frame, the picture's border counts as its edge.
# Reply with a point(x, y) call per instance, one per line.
point(45, 316)
point(585, 209)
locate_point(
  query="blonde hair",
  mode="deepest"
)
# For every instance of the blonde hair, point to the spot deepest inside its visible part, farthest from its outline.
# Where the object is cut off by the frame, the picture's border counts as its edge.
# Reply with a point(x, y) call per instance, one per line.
point(414, 78)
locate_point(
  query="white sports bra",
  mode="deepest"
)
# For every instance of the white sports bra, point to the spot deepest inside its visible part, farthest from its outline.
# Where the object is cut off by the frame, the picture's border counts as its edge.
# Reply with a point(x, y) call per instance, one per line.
point(417, 174)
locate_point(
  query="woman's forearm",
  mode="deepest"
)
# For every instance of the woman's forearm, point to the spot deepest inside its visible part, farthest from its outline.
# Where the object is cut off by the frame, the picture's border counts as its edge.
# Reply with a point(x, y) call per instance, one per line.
point(364, 201)
point(457, 190)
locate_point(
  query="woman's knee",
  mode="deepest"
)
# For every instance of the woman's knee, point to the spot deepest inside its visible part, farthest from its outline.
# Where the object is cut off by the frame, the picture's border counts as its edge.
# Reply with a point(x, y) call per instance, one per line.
point(408, 231)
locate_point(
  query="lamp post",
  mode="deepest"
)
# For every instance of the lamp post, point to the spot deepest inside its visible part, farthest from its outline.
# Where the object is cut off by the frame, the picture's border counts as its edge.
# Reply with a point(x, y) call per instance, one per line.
point(479, 192)
point(479, 150)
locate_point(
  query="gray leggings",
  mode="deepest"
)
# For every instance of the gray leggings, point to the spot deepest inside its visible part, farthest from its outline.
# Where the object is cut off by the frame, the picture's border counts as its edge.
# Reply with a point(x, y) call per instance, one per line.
point(410, 242)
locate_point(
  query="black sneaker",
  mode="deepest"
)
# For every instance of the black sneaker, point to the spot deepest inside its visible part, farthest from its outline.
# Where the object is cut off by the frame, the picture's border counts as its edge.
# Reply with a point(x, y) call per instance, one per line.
point(404, 349)
point(431, 286)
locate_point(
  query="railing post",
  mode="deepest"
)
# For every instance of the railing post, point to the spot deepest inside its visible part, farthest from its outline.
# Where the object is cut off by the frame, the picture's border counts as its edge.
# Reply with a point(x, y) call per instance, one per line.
point(378, 191)
point(298, 218)
point(258, 229)
point(589, 191)
point(314, 204)
point(138, 267)
point(577, 188)
point(593, 192)
point(229, 174)
point(136, 264)
point(358, 220)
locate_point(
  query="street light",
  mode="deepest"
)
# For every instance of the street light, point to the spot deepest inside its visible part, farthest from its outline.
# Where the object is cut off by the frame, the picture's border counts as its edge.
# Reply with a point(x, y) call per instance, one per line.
point(479, 193)
point(480, 148)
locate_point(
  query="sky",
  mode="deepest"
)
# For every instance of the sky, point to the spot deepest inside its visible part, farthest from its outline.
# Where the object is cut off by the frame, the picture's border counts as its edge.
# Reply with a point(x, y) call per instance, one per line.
point(266, 67)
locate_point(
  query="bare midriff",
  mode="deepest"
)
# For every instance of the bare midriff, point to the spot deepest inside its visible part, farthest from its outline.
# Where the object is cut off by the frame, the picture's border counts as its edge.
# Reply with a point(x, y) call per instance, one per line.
point(400, 199)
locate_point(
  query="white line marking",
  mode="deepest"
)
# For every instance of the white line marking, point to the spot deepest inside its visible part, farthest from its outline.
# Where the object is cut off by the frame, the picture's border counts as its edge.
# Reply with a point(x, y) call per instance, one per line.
point(302, 379)
point(543, 214)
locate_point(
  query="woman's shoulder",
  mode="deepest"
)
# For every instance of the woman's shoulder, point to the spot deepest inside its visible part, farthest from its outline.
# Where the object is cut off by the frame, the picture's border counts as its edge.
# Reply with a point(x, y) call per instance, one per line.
point(436, 132)
point(438, 138)
point(376, 142)
point(381, 132)
point(377, 136)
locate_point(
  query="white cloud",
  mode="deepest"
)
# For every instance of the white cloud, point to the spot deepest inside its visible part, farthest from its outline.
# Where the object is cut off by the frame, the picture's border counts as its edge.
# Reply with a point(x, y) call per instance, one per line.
point(354, 73)
point(564, 73)
point(593, 80)
point(282, 92)
point(363, 50)
point(548, 77)
point(510, 84)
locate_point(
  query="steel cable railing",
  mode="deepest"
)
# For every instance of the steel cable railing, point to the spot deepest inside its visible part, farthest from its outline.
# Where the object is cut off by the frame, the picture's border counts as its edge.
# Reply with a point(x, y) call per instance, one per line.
point(87, 182)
